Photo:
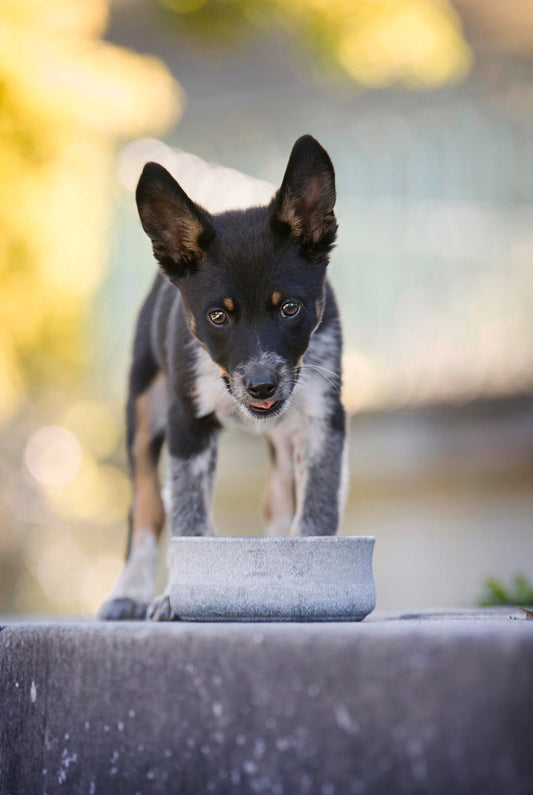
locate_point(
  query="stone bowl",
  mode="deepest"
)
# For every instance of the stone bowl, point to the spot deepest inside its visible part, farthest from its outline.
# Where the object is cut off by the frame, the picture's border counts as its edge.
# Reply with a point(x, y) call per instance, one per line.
point(311, 578)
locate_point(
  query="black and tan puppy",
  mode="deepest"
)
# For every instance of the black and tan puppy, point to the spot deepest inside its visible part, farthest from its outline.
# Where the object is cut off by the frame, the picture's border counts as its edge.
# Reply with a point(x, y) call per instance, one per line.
point(240, 325)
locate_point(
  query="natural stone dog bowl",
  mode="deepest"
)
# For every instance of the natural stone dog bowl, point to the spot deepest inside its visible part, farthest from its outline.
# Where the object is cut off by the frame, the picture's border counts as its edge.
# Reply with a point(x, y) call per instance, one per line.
point(313, 578)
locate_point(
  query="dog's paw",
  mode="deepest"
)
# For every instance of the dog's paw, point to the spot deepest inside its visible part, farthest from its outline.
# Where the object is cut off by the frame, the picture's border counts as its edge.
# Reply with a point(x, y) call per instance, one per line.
point(161, 610)
point(122, 609)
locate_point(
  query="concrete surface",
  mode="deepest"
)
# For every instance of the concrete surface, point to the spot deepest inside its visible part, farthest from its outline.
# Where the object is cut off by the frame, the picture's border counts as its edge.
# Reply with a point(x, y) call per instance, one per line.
point(309, 578)
point(436, 703)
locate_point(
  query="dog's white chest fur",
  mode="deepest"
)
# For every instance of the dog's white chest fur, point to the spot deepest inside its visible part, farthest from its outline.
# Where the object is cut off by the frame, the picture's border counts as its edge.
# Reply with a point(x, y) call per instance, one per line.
point(210, 394)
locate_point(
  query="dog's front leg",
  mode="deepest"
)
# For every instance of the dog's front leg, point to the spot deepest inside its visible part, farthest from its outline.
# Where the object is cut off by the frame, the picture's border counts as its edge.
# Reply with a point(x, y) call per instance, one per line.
point(192, 448)
point(321, 474)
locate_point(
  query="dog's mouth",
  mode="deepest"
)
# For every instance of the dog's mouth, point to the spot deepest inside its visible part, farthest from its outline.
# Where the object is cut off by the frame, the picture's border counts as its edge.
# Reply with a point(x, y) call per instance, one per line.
point(264, 406)
point(256, 408)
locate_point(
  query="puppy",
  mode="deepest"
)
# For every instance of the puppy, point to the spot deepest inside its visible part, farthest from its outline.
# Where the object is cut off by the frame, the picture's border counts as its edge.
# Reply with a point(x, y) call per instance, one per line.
point(241, 324)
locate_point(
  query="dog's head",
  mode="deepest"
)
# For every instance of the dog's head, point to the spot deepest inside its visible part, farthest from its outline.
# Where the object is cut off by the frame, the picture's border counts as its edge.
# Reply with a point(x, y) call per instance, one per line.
point(252, 281)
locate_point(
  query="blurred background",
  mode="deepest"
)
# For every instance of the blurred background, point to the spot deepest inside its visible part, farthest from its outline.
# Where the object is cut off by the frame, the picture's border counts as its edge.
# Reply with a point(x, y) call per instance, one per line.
point(426, 108)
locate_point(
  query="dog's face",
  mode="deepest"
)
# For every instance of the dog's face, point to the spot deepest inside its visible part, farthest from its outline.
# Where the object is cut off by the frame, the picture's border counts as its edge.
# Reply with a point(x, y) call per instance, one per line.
point(252, 281)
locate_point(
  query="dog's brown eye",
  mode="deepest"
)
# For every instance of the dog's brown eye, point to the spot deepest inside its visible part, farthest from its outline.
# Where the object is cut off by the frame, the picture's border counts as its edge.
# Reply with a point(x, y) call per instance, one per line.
point(290, 309)
point(217, 317)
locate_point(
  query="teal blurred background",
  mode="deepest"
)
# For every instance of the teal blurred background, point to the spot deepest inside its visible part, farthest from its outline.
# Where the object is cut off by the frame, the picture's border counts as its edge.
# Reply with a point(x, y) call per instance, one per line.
point(426, 109)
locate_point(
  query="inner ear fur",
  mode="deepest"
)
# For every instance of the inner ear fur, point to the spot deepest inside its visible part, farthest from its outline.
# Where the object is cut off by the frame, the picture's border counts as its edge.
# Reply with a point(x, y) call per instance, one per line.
point(303, 206)
point(179, 229)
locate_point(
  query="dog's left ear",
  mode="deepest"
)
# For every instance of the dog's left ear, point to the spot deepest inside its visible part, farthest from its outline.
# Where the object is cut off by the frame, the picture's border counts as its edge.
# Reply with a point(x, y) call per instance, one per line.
point(179, 229)
point(303, 207)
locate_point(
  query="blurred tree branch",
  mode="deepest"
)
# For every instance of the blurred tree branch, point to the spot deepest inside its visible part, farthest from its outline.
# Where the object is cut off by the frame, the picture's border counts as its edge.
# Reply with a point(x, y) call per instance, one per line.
point(375, 43)
point(66, 100)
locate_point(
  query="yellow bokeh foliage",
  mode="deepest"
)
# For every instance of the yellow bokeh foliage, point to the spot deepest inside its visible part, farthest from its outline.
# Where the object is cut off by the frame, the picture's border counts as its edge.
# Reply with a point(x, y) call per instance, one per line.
point(66, 100)
point(376, 43)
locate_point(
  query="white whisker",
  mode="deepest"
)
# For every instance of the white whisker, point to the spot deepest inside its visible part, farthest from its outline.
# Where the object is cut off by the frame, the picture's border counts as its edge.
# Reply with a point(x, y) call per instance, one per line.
point(324, 369)
point(333, 383)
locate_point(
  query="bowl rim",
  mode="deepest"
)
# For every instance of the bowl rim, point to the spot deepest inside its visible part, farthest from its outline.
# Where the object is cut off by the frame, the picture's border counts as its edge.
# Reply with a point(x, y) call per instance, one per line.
point(271, 539)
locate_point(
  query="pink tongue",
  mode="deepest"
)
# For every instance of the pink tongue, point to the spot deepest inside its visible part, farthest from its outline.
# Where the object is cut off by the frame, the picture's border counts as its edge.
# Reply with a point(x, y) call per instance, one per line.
point(265, 404)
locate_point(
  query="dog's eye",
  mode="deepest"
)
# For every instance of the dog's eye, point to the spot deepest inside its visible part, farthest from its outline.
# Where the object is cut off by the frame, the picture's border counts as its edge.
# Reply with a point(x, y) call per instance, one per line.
point(217, 317)
point(290, 309)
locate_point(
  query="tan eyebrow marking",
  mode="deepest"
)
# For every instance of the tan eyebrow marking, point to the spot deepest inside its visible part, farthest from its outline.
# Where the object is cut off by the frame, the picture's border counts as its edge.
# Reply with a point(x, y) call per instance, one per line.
point(276, 297)
point(228, 303)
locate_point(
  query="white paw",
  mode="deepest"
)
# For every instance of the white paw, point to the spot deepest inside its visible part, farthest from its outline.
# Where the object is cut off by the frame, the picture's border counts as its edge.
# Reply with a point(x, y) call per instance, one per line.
point(160, 610)
point(122, 609)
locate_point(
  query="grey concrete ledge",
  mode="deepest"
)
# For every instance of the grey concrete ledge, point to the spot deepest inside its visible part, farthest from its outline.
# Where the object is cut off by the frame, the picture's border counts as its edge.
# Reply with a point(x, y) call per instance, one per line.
point(437, 703)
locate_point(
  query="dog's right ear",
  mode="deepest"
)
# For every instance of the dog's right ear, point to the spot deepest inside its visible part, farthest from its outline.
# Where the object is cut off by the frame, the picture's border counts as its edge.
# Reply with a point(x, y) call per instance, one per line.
point(302, 209)
point(179, 229)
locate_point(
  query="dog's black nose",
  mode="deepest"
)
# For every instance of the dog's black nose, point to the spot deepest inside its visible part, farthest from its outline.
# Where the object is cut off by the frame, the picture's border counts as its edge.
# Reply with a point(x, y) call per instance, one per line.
point(261, 390)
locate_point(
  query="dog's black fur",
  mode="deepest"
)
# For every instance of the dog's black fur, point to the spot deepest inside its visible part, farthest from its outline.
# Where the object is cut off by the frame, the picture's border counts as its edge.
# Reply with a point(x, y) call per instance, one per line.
point(241, 323)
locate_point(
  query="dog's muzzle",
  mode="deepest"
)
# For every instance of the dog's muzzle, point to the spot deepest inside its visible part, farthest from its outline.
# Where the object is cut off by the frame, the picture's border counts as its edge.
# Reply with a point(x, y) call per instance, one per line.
point(262, 385)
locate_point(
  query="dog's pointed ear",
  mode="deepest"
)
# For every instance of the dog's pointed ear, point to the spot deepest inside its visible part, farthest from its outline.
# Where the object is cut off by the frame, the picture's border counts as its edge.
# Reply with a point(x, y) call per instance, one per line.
point(303, 207)
point(179, 229)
